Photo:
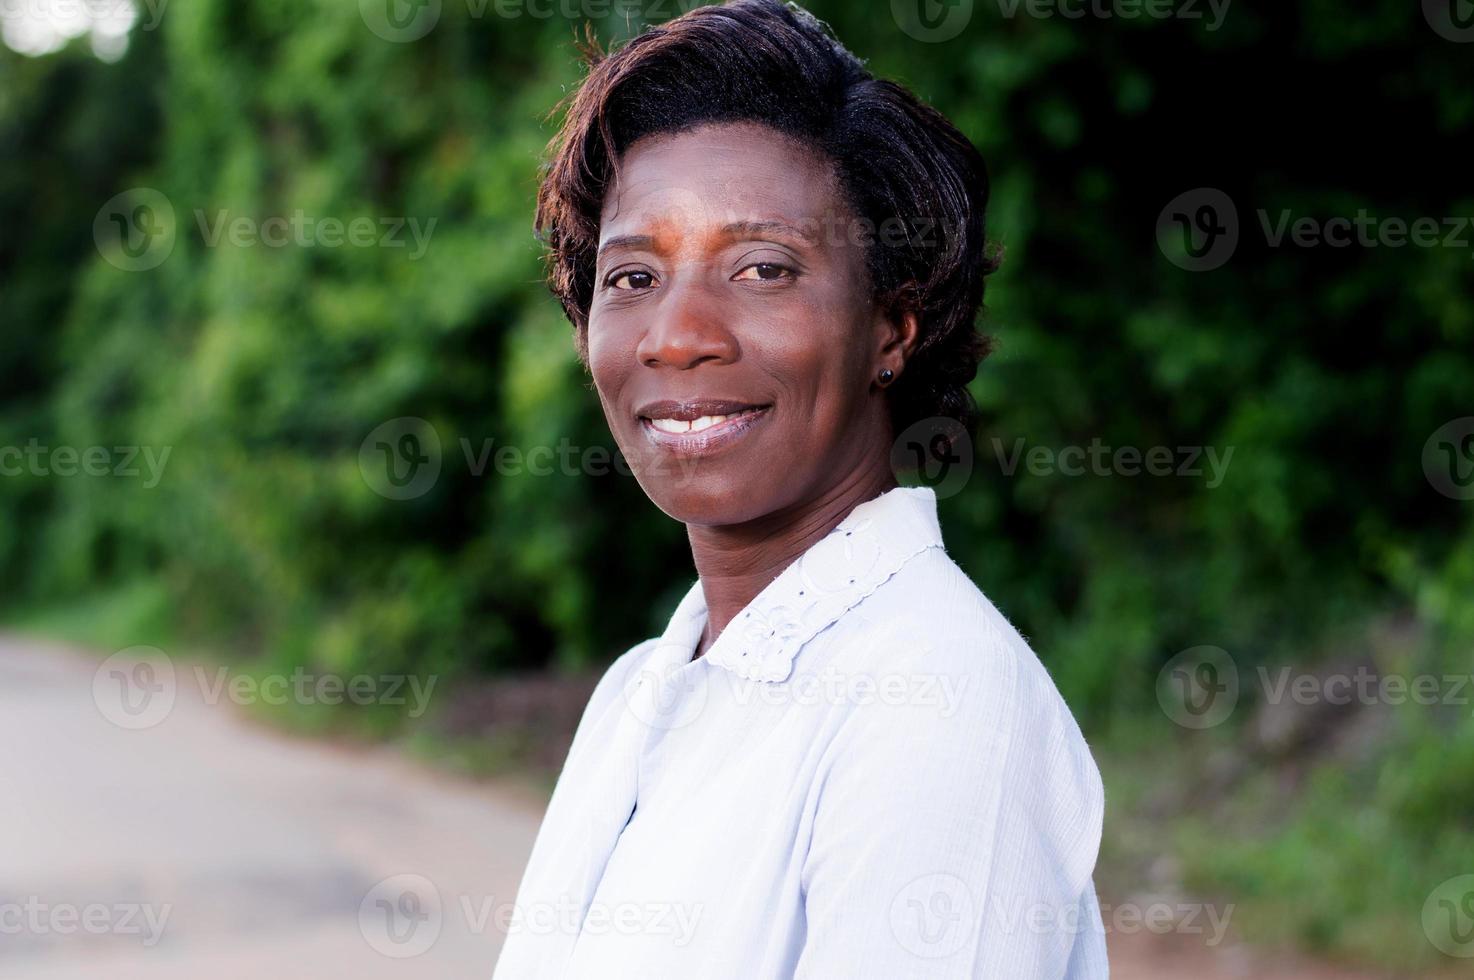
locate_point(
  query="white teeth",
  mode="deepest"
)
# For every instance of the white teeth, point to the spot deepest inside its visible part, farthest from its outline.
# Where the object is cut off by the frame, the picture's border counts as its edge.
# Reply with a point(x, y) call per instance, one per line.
point(678, 426)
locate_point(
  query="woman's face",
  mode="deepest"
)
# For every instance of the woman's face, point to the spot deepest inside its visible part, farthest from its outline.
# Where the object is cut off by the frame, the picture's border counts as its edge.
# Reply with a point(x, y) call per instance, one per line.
point(732, 335)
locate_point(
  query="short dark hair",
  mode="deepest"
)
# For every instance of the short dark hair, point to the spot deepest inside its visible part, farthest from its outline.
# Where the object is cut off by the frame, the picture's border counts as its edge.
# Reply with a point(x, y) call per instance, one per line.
point(902, 165)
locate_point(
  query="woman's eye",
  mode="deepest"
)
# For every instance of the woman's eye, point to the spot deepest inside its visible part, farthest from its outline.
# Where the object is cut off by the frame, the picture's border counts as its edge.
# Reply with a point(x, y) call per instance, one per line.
point(633, 279)
point(765, 271)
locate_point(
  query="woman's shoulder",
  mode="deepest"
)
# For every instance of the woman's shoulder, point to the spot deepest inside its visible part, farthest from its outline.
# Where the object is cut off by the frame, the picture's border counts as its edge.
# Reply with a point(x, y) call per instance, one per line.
point(619, 673)
point(611, 691)
point(979, 704)
point(931, 619)
point(932, 605)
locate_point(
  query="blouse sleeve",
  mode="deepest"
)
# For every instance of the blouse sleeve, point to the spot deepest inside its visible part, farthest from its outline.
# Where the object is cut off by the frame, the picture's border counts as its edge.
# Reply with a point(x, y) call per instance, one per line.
point(954, 835)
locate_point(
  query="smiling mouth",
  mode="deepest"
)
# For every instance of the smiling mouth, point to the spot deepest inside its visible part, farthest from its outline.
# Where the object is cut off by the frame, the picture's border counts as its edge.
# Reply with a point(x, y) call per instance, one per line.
point(699, 427)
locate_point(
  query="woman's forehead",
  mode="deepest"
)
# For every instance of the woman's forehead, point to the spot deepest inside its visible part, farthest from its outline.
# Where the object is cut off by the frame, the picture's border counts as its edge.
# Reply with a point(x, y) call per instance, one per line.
point(721, 179)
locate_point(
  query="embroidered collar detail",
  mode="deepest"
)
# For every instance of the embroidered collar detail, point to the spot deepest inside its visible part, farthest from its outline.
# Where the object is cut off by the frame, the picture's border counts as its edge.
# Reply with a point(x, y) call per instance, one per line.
point(851, 562)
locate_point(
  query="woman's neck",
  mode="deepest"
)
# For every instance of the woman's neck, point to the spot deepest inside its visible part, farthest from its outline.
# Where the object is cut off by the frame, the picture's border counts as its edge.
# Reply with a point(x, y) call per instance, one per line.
point(737, 561)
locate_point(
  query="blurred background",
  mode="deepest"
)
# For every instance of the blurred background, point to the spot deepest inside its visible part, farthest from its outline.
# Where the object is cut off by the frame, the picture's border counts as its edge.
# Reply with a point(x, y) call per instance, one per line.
point(313, 542)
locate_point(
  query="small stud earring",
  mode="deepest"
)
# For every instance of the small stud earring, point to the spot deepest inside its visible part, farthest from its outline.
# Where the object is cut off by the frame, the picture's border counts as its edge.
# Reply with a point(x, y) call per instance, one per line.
point(887, 376)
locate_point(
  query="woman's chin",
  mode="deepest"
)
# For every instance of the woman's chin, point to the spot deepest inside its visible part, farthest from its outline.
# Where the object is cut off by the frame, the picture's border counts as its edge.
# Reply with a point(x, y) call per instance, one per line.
point(711, 501)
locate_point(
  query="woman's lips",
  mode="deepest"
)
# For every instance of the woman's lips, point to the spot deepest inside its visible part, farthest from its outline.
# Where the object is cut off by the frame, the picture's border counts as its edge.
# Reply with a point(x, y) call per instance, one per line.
point(699, 428)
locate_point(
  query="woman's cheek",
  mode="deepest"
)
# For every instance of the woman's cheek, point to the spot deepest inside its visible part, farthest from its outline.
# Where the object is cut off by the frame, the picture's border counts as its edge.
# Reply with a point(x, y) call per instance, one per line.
point(604, 359)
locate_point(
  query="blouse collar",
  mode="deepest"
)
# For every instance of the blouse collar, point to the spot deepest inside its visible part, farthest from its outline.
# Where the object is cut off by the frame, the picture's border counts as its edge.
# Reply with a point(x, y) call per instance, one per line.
point(810, 595)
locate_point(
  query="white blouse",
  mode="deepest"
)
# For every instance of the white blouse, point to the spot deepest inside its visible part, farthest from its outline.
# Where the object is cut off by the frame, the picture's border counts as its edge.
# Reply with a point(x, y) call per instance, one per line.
point(868, 775)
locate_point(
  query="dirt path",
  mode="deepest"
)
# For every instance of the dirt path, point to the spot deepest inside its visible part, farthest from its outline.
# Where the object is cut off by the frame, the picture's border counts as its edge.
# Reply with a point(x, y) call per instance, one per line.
point(243, 854)
point(205, 847)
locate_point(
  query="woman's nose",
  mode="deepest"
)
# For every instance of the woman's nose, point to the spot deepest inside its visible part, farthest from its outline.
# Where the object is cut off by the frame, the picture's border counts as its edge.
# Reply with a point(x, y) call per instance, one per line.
point(687, 327)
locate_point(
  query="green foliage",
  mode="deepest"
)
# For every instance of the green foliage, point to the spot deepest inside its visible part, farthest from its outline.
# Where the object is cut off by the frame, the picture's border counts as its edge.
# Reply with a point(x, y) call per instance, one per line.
point(1343, 872)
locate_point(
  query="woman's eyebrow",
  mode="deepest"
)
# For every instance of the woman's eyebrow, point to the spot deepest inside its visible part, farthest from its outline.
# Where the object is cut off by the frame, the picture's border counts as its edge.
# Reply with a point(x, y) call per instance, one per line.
point(740, 229)
point(627, 241)
point(732, 230)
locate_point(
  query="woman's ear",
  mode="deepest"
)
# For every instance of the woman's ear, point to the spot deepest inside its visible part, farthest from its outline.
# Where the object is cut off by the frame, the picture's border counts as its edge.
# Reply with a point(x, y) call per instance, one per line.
point(897, 330)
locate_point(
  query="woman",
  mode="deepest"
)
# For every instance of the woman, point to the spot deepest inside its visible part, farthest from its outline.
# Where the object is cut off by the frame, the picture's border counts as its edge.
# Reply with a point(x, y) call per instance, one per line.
point(839, 762)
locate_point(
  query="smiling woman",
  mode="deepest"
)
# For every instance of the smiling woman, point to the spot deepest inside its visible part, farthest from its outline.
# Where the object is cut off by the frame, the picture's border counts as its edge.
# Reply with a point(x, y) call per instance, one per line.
point(728, 333)
point(773, 262)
